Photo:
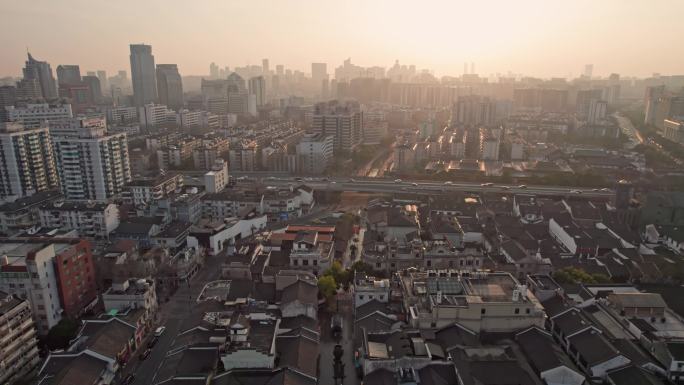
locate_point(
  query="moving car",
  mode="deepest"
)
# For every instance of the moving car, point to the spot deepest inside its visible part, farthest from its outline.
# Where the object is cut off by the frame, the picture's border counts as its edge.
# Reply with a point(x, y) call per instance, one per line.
point(490, 184)
point(414, 184)
point(336, 325)
point(522, 186)
point(448, 183)
point(159, 331)
point(398, 181)
point(152, 342)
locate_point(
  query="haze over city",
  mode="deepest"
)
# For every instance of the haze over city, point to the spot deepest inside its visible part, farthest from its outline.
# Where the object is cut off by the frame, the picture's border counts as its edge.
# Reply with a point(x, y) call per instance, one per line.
point(372, 192)
point(536, 38)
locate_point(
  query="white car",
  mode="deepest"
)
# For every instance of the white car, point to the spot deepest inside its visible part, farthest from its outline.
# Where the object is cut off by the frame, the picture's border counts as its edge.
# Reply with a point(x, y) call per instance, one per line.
point(398, 181)
point(159, 331)
point(522, 186)
point(448, 183)
point(490, 184)
point(414, 184)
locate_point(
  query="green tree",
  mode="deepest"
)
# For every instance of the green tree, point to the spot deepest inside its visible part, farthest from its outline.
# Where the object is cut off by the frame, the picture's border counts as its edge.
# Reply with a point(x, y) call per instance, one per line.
point(327, 286)
point(59, 336)
point(576, 275)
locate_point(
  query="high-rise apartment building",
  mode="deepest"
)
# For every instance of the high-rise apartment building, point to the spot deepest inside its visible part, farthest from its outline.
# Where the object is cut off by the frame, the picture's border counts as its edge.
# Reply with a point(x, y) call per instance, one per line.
point(257, 87)
point(314, 153)
point(584, 98)
point(169, 86)
point(57, 277)
point(474, 110)
point(92, 164)
point(342, 120)
point(143, 74)
point(68, 74)
point(19, 348)
point(41, 72)
point(27, 165)
point(597, 111)
point(34, 115)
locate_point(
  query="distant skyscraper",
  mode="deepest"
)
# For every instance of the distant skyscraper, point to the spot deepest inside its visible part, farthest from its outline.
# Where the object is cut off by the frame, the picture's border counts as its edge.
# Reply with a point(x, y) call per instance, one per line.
point(213, 71)
point(42, 73)
point(143, 74)
point(319, 71)
point(257, 87)
point(265, 67)
point(104, 84)
point(68, 74)
point(588, 70)
point(280, 70)
point(169, 86)
point(95, 87)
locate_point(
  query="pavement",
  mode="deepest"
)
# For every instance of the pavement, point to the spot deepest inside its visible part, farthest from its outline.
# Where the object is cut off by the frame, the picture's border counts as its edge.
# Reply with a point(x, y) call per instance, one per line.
point(328, 344)
point(171, 315)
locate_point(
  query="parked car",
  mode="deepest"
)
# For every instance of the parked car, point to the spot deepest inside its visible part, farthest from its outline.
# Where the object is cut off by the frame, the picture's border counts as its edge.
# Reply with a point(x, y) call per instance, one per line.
point(145, 354)
point(159, 331)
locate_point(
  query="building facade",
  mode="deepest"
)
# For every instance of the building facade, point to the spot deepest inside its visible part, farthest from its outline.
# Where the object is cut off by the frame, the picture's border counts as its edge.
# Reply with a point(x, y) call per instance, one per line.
point(28, 164)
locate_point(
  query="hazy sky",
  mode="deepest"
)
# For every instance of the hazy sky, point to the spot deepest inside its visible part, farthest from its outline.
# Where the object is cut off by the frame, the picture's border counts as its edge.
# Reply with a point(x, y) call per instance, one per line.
point(542, 38)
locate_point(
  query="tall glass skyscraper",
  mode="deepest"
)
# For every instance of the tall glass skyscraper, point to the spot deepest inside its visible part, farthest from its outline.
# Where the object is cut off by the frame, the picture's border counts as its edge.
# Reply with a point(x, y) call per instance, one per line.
point(143, 74)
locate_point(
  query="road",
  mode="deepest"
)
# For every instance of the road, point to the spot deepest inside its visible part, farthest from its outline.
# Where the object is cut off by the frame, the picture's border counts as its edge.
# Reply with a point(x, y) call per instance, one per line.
point(636, 138)
point(629, 130)
point(328, 344)
point(171, 315)
point(383, 185)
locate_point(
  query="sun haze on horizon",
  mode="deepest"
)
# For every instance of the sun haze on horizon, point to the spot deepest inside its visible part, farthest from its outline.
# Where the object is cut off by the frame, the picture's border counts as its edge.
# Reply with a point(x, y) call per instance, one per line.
point(539, 38)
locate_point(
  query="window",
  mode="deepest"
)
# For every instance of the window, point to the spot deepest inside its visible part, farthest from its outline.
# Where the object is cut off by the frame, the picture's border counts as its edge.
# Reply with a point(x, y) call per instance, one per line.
point(315, 262)
point(483, 311)
point(295, 262)
point(305, 262)
point(517, 310)
point(428, 263)
point(527, 311)
point(382, 297)
point(361, 297)
point(377, 265)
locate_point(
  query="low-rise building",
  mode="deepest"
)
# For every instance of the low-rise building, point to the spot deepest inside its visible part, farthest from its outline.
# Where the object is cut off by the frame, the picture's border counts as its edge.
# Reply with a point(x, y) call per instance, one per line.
point(480, 301)
point(94, 220)
point(147, 190)
point(24, 213)
point(311, 251)
point(367, 289)
point(131, 294)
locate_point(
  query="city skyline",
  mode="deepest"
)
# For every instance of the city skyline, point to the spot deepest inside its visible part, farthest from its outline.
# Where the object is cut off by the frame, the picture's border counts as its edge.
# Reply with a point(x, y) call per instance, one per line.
point(530, 37)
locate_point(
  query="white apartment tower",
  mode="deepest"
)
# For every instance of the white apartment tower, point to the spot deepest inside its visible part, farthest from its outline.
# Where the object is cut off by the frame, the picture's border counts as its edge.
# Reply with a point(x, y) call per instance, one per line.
point(314, 153)
point(28, 164)
point(92, 164)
